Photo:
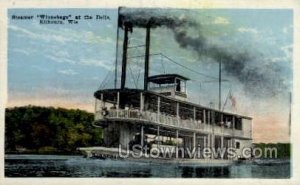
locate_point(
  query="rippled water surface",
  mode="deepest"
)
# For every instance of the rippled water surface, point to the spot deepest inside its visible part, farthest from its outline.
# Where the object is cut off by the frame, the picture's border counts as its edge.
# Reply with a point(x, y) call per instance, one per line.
point(77, 166)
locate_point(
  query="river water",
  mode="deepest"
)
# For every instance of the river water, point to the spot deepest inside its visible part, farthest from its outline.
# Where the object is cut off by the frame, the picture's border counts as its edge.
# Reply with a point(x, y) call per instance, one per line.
point(77, 166)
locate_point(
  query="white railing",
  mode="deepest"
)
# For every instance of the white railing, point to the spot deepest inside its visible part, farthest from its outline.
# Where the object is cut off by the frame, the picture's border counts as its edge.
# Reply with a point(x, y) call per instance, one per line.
point(167, 120)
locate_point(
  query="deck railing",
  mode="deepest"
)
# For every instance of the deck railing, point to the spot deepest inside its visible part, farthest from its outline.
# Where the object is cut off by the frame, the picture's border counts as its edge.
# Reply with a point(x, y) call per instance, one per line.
point(169, 121)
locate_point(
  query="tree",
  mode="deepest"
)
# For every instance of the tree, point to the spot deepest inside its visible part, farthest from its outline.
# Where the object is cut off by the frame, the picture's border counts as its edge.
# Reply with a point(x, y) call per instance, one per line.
point(61, 130)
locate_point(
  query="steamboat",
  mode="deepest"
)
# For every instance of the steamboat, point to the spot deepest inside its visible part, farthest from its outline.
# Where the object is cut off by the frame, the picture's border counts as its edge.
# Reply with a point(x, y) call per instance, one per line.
point(160, 116)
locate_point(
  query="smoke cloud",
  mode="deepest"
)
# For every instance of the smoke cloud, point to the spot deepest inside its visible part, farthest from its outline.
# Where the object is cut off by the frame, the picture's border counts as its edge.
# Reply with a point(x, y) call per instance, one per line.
point(258, 76)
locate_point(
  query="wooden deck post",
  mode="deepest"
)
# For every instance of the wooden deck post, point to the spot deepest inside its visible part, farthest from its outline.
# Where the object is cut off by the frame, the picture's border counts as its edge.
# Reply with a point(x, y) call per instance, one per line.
point(177, 134)
point(204, 116)
point(212, 142)
point(158, 136)
point(208, 140)
point(194, 116)
point(222, 132)
point(233, 128)
point(118, 100)
point(101, 103)
point(208, 117)
point(177, 112)
point(194, 142)
point(141, 102)
point(142, 137)
point(118, 103)
point(222, 145)
point(158, 109)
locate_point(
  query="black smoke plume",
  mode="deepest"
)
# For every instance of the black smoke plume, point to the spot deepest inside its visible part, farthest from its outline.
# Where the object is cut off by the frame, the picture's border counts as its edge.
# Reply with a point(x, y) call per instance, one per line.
point(259, 78)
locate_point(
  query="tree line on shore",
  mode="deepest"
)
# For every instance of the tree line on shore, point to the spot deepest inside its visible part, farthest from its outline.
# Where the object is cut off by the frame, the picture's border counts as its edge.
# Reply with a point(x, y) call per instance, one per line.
point(34, 129)
point(283, 149)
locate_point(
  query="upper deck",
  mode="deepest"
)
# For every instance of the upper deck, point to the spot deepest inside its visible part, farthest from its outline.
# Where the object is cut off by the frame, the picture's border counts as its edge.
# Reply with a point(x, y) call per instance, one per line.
point(155, 108)
point(171, 85)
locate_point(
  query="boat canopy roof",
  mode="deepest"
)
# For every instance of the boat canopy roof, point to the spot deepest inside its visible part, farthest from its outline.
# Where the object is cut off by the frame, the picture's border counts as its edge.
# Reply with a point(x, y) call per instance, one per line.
point(166, 78)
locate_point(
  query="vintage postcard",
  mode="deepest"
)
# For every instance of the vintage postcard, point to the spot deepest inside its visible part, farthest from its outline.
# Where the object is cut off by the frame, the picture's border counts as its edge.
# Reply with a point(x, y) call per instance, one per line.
point(149, 92)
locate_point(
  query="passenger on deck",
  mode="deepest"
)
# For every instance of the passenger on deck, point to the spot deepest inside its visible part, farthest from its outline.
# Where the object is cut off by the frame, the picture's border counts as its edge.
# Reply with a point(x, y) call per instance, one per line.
point(113, 107)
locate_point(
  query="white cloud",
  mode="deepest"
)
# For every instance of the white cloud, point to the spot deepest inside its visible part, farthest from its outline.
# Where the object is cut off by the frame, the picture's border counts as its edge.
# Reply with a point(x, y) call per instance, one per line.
point(286, 56)
point(44, 36)
point(279, 59)
point(95, 62)
point(22, 51)
point(65, 57)
point(44, 69)
point(247, 30)
point(60, 59)
point(221, 20)
point(67, 72)
point(288, 49)
point(58, 52)
point(287, 29)
point(90, 37)
point(62, 53)
point(61, 35)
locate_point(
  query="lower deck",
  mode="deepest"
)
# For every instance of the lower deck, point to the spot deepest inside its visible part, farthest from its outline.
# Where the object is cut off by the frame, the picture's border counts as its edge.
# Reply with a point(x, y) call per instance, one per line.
point(125, 134)
point(113, 153)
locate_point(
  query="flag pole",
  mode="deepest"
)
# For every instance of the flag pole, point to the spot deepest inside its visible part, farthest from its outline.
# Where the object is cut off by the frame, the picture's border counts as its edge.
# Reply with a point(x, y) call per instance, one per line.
point(220, 81)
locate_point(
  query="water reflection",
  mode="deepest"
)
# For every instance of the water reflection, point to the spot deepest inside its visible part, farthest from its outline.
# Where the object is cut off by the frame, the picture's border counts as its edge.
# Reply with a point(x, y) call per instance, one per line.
point(79, 167)
point(206, 172)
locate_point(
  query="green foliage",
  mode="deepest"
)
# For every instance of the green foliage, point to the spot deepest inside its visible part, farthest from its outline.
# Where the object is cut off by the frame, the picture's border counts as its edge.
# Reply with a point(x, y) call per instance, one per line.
point(48, 129)
point(283, 149)
point(169, 142)
point(47, 150)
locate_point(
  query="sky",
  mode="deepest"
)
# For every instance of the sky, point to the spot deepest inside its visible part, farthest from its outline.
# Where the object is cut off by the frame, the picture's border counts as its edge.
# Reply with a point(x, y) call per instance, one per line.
point(63, 65)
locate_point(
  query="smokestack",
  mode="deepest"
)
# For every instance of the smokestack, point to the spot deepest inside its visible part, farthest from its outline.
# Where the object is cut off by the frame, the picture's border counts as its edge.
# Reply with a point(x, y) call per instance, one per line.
point(147, 53)
point(127, 27)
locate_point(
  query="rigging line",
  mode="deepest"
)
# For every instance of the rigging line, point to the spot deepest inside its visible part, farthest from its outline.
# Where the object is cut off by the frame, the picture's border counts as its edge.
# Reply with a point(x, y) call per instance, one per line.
point(229, 92)
point(208, 81)
point(105, 81)
point(138, 77)
point(139, 74)
point(102, 83)
point(138, 56)
point(132, 76)
point(189, 68)
point(161, 61)
point(171, 60)
point(137, 46)
point(109, 79)
point(200, 88)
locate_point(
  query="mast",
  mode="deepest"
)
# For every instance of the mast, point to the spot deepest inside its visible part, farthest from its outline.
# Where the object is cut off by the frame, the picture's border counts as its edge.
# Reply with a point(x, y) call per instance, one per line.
point(127, 27)
point(117, 48)
point(147, 53)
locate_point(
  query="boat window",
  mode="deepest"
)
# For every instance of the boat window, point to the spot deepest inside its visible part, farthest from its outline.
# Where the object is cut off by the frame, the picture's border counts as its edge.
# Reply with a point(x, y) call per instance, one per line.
point(237, 145)
point(218, 118)
point(212, 117)
point(238, 124)
point(178, 85)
